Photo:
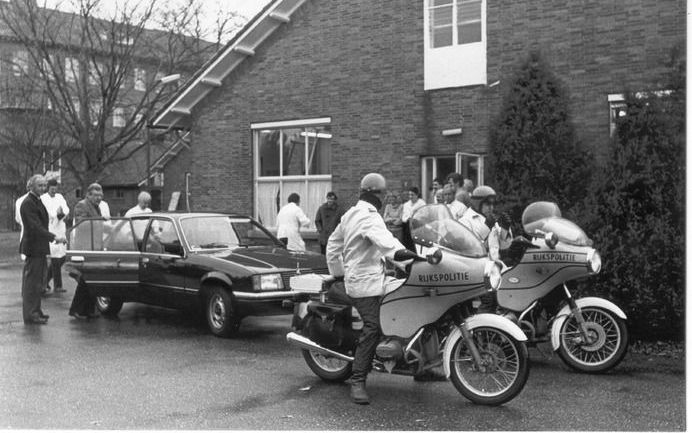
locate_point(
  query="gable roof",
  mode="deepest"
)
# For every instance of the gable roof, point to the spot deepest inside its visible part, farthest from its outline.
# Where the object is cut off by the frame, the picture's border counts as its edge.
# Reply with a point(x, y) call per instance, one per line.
point(176, 112)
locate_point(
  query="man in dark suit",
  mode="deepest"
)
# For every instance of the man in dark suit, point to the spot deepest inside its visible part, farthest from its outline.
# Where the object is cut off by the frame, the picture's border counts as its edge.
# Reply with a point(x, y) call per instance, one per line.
point(83, 303)
point(35, 246)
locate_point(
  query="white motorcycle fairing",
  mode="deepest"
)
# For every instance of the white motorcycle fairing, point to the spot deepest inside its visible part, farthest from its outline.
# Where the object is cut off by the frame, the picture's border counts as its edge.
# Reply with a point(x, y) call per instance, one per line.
point(478, 321)
point(581, 303)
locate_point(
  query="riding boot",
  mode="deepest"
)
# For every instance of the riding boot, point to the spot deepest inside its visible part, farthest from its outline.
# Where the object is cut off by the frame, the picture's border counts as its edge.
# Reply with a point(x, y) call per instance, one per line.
point(358, 393)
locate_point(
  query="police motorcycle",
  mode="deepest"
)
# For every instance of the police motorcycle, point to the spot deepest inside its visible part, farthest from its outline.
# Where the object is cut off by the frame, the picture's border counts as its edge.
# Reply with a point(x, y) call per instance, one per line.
point(426, 318)
point(589, 334)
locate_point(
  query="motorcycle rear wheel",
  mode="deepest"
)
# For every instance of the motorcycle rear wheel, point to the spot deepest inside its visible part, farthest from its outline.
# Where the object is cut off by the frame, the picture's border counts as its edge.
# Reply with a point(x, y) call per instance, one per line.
point(328, 368)
point(608, 349)
point(504, 369)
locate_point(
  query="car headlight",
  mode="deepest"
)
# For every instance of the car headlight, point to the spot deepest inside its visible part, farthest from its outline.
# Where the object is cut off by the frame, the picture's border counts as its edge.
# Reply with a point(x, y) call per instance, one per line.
point(492, 274)
point(593, 259)
point(264, 282)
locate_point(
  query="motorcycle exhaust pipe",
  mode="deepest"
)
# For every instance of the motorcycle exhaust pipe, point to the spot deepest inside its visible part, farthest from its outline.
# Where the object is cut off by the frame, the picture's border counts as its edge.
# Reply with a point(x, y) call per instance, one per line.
point(306, 343)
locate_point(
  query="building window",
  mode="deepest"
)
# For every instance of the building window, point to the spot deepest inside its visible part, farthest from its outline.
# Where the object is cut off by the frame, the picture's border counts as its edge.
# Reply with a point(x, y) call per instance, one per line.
point(617, 107)
point(434, 167)
point(291, 157)
point(471, 166)
point(455, 43)
point(20, 62)
point(454, 22)
point(95, 112)
point(118, 117)
point(48, 64)
point(140, 79)
point(96, 71)
point(616, 110)
point(71, 70)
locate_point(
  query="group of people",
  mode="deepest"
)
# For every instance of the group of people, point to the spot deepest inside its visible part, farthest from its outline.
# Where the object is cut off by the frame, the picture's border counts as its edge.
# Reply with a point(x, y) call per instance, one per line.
point(291, 218)
point(357, 249)
point(42, 214)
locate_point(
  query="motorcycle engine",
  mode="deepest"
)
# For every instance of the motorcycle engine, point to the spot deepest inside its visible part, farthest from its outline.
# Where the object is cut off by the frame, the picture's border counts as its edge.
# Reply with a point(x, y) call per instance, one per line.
point(391, 348)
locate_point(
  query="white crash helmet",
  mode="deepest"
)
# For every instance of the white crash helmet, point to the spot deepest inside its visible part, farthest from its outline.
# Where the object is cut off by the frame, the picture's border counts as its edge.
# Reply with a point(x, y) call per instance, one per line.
point(373, 182)
point(482, 194)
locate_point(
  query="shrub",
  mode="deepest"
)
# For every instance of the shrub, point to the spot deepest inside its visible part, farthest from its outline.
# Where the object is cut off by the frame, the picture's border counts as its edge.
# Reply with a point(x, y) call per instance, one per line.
point(637, 219)
point(534, 153)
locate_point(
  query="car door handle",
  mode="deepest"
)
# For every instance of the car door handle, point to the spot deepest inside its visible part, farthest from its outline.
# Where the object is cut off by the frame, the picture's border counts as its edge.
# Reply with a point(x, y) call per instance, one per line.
point(77, 259)
point(145, 260)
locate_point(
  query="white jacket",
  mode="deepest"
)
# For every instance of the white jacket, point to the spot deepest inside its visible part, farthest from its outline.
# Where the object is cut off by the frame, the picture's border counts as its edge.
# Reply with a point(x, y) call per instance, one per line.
point(356, 250)
point(410, 208)
point(288, 222)
point(55, 225)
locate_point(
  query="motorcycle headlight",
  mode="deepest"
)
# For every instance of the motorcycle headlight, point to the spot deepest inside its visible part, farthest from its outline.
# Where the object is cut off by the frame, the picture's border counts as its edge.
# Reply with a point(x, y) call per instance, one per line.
point(265, 282)
point(492, 274)
point(593, 259)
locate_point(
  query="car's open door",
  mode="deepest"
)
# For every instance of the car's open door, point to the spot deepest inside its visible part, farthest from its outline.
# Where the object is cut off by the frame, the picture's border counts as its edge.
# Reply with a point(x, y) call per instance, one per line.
point(103, 253)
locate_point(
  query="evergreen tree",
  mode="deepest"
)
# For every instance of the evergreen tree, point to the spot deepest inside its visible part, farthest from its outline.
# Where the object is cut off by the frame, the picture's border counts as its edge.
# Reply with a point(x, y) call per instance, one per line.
point(534, 154)
point(639, 203)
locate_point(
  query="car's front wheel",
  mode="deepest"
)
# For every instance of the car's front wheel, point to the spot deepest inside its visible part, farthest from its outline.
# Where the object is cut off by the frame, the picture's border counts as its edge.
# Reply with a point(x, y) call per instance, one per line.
point(219, 311)
point(109, 305)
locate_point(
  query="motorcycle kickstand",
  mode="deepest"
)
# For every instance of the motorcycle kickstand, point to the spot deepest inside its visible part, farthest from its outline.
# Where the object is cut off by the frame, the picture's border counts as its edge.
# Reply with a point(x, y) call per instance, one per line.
point(475, 354)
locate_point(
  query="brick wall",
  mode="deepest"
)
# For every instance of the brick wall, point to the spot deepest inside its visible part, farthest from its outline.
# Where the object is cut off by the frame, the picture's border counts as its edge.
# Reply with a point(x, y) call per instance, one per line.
point(361, 62)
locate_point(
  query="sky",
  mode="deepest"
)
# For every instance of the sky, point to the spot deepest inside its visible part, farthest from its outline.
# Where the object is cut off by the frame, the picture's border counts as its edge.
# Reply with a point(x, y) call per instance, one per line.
point(247, 8)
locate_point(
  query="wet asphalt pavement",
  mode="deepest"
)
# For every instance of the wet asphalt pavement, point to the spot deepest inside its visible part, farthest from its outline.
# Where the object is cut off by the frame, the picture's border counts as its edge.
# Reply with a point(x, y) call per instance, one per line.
point(154, 368)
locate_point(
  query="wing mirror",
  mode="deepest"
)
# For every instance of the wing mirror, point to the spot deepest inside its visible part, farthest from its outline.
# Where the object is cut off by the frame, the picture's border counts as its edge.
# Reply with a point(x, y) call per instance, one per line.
point(551, 240)
point(435, 257)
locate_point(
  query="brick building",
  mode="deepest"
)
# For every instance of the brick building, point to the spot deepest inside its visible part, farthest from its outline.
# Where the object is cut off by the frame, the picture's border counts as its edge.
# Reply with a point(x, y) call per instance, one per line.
point(408, 89)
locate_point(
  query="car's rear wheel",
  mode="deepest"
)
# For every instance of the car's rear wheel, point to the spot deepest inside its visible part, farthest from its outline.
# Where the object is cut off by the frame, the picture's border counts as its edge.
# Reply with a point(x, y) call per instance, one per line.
point(219, 311)
point(109, 305)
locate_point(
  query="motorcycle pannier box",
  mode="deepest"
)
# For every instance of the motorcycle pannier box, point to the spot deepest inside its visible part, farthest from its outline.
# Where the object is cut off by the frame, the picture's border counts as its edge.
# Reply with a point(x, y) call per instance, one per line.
point(329, 325)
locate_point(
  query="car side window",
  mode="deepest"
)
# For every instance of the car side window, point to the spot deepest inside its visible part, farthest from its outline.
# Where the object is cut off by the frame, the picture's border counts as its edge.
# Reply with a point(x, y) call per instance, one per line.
point(102, 235)
point(163, 239)
point(139, 226)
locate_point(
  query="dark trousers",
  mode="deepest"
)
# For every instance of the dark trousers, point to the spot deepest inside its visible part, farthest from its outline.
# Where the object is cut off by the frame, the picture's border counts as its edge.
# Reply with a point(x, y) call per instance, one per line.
point(369, 310)
point(55, 271)
point(32, 286)
point(82, 303)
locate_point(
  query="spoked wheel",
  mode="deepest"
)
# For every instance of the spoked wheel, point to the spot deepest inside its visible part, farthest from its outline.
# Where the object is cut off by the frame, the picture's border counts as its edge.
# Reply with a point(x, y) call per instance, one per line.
point(328, 368)
point(220, 315)
point(503, 370)
point(603, 348)
point(109, 305)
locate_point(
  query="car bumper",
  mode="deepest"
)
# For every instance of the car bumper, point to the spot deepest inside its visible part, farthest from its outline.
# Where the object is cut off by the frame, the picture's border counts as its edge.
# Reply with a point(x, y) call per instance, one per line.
point(268, 303)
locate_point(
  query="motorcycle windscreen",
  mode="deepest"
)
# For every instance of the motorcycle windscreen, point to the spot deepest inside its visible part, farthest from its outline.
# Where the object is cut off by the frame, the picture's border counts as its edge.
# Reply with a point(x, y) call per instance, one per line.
point(546, 217)
point(434, 224)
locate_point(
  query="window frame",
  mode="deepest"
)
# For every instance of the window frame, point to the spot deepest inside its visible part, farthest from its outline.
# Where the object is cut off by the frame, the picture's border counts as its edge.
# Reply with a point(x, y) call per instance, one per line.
point(455, 65)
point(256, 129)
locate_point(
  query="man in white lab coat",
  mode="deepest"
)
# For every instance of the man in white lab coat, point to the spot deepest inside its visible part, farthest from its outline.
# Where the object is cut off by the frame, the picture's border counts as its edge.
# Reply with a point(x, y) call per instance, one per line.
point(57, 208)
point(289, 220)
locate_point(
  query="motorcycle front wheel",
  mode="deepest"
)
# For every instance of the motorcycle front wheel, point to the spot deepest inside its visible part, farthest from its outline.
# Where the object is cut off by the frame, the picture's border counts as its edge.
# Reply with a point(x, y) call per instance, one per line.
point(503, 370)
point(328, 368)
point(607, 344)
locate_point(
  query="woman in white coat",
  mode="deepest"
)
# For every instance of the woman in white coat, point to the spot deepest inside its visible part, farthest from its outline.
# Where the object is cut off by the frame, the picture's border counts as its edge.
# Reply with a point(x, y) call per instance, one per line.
point(57, 213)
point(289, 220)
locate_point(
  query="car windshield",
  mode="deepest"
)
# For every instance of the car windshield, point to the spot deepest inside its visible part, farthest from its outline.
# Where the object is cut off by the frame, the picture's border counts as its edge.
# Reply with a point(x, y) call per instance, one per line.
point(545, 217)
point(214, 232)
point(434, 223)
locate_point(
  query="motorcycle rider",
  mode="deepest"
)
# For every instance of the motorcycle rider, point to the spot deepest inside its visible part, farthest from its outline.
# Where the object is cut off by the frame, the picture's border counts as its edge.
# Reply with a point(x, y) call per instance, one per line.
point(355, 251)
point(482, 221)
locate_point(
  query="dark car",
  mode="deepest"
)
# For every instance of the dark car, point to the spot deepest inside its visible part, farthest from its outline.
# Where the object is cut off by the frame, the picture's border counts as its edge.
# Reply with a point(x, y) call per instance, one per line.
point(230, 266)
